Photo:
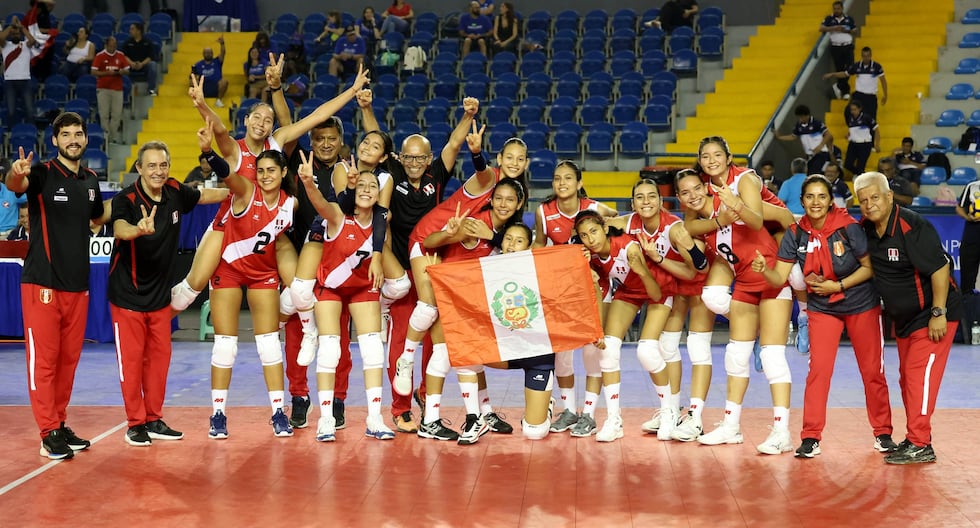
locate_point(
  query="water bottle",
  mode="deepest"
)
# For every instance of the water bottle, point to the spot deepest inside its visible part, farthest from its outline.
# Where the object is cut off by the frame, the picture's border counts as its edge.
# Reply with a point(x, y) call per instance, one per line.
point(214, 181)
point(975, 333)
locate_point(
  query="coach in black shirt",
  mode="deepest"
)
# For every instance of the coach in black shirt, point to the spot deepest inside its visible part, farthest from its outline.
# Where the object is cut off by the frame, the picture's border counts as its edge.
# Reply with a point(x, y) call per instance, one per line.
point(912, 275)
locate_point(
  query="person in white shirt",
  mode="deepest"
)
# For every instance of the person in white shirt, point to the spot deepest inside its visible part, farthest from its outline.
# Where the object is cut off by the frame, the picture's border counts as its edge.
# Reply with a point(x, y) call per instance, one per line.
point(18, 47)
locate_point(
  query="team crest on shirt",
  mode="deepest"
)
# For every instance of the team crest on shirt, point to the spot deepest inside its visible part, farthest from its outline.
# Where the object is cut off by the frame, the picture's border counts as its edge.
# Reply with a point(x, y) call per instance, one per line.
point(515, 306)
point(174, 218)
point(91, 195)
point(892, 254)
point(46, 295)
point(838, 248)
point(429, 189)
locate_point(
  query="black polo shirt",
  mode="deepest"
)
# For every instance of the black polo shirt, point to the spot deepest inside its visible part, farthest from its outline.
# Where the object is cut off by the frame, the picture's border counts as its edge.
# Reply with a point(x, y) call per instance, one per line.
point(142, 270)
point(904, 259)
point(304, 213)
point(971, 230)
point(409, 204)
point(138, 51)
point(60, 204)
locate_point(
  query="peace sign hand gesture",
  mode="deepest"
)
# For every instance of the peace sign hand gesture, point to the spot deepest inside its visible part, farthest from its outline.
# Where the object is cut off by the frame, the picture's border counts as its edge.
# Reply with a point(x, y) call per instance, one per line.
point(273, 72)
point(727, 196)
point(650, 248)
point(362, 78)
point(305, 168)
point(146, 226)
point(456, 221)
point(352, 172)
point(196, 90)
point(474, 139)
point(22, 166)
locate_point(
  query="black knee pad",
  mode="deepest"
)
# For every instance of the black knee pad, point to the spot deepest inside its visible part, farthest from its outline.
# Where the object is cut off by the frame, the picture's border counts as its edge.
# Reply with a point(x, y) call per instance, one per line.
point(537, 379)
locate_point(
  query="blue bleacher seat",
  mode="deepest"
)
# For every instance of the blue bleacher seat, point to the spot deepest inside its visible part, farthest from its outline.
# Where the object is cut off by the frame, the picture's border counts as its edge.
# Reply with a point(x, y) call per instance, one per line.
point(380, 107)
point(562, 110)
point(103, 27)
point(531, 110)
point(56, 87)
point(970, 40)
point(129, 19)
point(309, 105)
point(650, 14)
point(427, 21)
point(633, 84)
point(962, 176)
point(475, 62)
point(314, 23)
point(72, 22)
point(677, 42)
point(564, 40)
point(403, 130)
point(287, 23)
point(326, 87)
point(444, 64)
point(85, 88)
point(161, 28)
point(499, 135)
point(424, 39)
point(652, 39)
point(538, 85)
point(446, 86)
point(498, 111)
point(623, 19)
point(600, 84)
point(593, 61)
point(921, 201)
point(538, 20)
point(28, 144)
point(632, 145)
point(593, 111)
point(951, 118)
point(43, 109)
point(938, 144)
point(971, 17)
point(416, 87)
point(595, 19)
point(711, 46)
point(536, 137)
point(436, 110)
point(503, 62)
point(507, 85)
point(405, 110)
point(626, 109)
point(664, 83)
point(386, 86)
point(594, 40)
point(684, 62)
point(710, 17)
point(449, 25)
point(80, 107)
point(599, 147)
point(960, 91)
point(561, 63)
point(567, 141)
point(395, 41)
point(569, 84)
point(622, 62)
point(622, 39)
point(533, 62)
point(932, 176)
point(974, 119)
point(447, 45)
point(658, 117)
point(478, 86)
point(438, 135)
point(542, 166)
point(567, 19)
point(537, 36)
point(97, 161)
point(652, 63)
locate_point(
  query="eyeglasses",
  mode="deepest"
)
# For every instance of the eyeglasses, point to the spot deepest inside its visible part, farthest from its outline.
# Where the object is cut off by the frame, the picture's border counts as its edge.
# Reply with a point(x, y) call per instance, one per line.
point(417, 159)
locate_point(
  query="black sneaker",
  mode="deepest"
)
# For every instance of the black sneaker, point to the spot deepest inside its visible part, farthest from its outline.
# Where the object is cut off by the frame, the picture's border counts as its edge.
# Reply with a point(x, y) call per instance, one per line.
point(338, 414)
point(437, 431)
point(420, 401)
point(74, 442)
point(300, 412)
point(137, 436)
point(808, 449)
point(55, 446)
point(497, 425)
point(158, 430)
point(473, 429)
point(885, 444)
point(912, 454)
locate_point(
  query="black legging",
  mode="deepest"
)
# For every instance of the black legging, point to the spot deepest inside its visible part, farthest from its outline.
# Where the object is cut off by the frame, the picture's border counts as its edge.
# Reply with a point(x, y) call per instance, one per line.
point(843, 57)
point(969, 263)
point(857, 157)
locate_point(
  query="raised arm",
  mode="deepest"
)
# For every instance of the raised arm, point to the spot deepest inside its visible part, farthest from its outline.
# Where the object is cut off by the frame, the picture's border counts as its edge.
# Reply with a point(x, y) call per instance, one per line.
point(369, 122)
point(226, 144)
point(454, 231)
point(292, 132)
point(330, 211)
point(471, 106)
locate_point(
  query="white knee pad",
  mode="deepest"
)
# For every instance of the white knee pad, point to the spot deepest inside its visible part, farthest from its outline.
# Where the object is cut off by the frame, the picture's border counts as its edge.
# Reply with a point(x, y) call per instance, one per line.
point(717, 298)
point(774, 364)
point(372, 350)
point(698, 347)
point(224, 351)
point(182, 295)
point(670, 346)
point(469, 370)
point(648, 352)
point(592, 357)
point(286, 304)
point(439, 362)
point(737, 356)
point(609, 357)
point(269, 349)
point(423, 316)
point(328, 354)
point(535, 432)
point(565, 364)
point(302, 293)
point(796, 280)
point(396, 288)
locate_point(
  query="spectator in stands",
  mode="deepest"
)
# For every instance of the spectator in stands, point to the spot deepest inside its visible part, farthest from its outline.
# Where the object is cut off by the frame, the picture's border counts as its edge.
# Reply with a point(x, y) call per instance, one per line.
point(348, 54)
point(970, 241)
point(842, 193)
point(79, 54)
point(506, 34)
point(397, 17)
point(18, 47)
point(368, 29)
point(862, 138)
point(263, 43)
point(817, 141)
point(40, 13)
point(474, 27)
point(9, 202)
point(486, 8)
point(200, 174)
point(142, 58)
point(791, 189)
point(910, 162)
point(903, 189)
point(841, 29)
point(210, 69)
point(110, 67)
point(673, 14)
point(333, 29)
point(23, 229)
point(255, 66)
point(868, 74)
point(767, 171)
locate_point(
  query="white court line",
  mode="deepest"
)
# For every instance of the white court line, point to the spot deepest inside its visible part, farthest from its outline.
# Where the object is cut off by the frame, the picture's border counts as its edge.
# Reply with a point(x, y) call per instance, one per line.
point(54, 463)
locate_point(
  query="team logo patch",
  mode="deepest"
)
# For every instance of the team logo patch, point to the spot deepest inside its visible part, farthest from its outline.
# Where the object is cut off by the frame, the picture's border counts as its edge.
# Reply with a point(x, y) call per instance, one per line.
point(174, 218)
point(46, 295)
point(429, 189)
point(515, 306)
point(838, 248)
point(91, 195)
point(892, 254)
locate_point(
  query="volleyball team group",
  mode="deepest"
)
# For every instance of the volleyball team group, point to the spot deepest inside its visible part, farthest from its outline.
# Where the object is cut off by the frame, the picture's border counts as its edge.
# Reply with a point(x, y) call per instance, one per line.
point(326, 245)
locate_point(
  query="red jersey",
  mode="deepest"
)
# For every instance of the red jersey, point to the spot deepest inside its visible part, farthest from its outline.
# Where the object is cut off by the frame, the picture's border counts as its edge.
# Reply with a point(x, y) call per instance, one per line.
point(737, 244)
point(613, 270)
point(105, 61)
point(480, 248)
point(436, 219)
point(661, 238)
point(346, 256)
point(246, 158)
point(734, 173)
point(249, 242)
point(559, 227)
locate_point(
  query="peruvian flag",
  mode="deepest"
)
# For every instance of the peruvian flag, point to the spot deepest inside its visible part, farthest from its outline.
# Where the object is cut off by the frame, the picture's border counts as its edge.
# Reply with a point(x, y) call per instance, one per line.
point(516, 305)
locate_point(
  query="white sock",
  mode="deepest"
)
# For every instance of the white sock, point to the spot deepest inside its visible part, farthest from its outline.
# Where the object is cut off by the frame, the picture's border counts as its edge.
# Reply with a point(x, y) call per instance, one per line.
point(697, 407)
point(780, 418)
point(308, 322)
point(471, 397)
point(276, 399)
point(485, 406)
point(663, 392)
point(612, 399)
point(410, 348)
point(733, 413)
point(219, 397)
point(326, 402)
point(675, 400)
point(591, 400)
point(568, 398)
point(432, 402)
point(374, 401)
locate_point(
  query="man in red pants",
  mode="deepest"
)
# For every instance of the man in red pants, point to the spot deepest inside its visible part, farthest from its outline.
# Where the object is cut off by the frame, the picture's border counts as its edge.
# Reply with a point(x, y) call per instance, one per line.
point(62, 198)
point(401, 406)
point(146, 220)
point(912, 275)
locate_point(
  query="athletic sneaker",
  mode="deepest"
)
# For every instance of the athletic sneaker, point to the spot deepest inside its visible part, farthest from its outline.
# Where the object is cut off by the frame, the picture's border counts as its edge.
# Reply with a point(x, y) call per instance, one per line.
point(280, 424)
point(405, 423)
point(668, 422)
point(497, 425)
point(473, 429)
point(338, 414)
point(307, 348)
point(808, 449)
point(565, 421)
point(757, 355)
point(612, 429)
point(219, 426)
point(723, 434)
point(689, 429)
point(420, 401)
point(653, 424)
point(158, 430)
point(803, 334)
point(777, 443)
point(55, 446)
point(137, 436)
point(885, 444)
point(325, 429)
point(376, 428)
point(402, 383)
point(300, 412)
point(74, 442)
point(912, 454)
point(437, 431)
point(585, 426)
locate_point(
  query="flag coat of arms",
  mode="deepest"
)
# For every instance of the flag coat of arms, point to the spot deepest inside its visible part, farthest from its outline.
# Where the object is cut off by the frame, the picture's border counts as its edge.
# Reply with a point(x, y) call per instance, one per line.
point(516, 305)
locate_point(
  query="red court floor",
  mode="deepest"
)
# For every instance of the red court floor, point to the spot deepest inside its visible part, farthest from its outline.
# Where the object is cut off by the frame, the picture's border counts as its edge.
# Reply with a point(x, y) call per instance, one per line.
point(255, 479)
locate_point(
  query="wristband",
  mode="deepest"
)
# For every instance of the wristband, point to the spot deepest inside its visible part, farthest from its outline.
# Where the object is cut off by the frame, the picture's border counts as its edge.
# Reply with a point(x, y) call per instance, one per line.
point(276, 89)
point(841, 284)
point(479, 162)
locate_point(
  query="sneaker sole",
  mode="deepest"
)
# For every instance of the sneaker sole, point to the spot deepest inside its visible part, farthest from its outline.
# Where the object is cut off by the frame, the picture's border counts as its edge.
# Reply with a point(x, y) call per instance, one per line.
point(53, 456)
point(561, 429)
point(219, 436)
point(733, 441)
point(331, 438)
point(434, 437)
point(811, 454)
point(283, 434)
point(909, 461)
point(680, 438)
point(158, 436)
point(779, 451)
point(467, 441)
point(380, 435)
point(617, 436)
point(884, 450)
point(137, 444)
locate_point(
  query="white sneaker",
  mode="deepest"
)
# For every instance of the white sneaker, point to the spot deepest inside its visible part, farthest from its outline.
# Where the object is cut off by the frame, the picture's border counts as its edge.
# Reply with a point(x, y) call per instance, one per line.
point(307, 349)
point(777, 443)
point(326, 429)
point(723, 434)
point(403, 376)
point(219, 104)
point(612, 429)
point(376, 428)
point(668, 422)
point(653, 424)
point(689, 430)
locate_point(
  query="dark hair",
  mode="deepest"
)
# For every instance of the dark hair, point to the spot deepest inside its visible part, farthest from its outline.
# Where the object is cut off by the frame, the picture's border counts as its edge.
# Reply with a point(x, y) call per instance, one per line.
point(840, 171)
point(866, 48)
point(68, 119)
point(511, 15)
point(838, 2)
point(720, 141)
point(330, 122)
point(802, 110)
point(519, 188)
point(908, 140)
point(524, 227)
point(139, 27)
point(289, 183)
point(259, 104)
point(578, 177)
point(768, 163)
point(684, 173)
point(644, 181)
point(589, 214)
point(818, 179)
point(520, 142)
point(855, 102)
point(262, 39)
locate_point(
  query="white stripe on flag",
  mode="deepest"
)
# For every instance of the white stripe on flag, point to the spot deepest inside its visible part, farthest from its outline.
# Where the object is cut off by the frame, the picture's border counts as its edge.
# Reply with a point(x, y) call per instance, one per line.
point(514, 302)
